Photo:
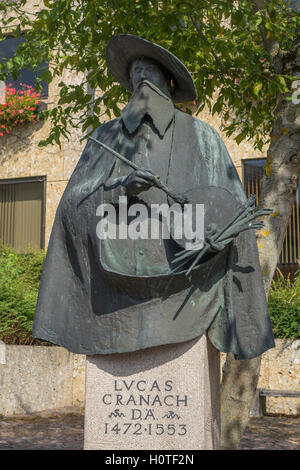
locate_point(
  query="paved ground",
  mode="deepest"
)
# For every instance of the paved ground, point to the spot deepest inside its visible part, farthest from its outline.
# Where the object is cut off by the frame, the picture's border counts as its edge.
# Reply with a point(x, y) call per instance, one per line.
point(60, 430)
point(63, 429)
point(272, 433)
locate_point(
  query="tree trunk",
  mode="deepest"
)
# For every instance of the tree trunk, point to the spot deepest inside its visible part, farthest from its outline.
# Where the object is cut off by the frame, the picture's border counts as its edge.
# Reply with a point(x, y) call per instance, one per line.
point(237, 393)
point(278, 191)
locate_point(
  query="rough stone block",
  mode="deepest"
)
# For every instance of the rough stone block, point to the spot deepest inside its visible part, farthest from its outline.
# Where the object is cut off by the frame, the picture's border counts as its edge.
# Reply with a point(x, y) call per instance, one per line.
point(35, 378)
point(2, 353)
point(165, 397)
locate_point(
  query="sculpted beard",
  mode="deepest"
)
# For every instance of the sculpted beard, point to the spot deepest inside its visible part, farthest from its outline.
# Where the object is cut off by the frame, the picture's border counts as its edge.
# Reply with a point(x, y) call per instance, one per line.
point(149, 100)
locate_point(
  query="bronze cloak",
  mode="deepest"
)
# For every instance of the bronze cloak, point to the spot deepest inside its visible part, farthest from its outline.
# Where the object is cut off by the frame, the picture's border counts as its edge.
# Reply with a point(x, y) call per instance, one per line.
point(79, 308)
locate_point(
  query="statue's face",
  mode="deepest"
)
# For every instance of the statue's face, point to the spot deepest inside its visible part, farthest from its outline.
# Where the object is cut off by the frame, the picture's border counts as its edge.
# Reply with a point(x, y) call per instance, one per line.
point(148, 69)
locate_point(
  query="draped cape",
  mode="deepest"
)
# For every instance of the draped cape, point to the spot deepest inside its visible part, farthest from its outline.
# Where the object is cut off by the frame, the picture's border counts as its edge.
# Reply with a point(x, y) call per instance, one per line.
point(80, 308)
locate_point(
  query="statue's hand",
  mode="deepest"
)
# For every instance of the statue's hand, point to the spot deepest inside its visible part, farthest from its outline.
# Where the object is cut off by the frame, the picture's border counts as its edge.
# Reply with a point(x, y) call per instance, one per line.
point(214, 245)
point(138, 181)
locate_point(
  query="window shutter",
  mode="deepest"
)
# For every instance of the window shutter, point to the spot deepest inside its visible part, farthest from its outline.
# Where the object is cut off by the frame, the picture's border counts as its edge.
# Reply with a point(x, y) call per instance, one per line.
point(253, 170)
point(22, 215)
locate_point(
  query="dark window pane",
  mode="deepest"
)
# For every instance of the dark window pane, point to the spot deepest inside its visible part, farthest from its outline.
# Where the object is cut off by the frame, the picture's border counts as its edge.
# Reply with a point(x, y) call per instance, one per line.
point(7, 49)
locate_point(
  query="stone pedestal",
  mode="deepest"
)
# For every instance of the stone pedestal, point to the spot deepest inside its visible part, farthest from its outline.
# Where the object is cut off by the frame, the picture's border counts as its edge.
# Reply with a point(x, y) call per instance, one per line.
point(165, 397)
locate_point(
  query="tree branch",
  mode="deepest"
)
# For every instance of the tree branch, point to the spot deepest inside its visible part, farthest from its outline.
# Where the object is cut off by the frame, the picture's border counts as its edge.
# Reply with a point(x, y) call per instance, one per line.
point(199, 31)
point(271, 45)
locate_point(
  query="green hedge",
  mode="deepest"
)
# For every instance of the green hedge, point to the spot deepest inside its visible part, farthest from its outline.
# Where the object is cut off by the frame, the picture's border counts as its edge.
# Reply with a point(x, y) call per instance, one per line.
point(284, 307)
point(19, 281)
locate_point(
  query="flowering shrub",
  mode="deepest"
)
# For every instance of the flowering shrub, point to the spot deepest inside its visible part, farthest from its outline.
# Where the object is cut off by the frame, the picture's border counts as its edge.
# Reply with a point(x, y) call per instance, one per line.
point(20, 106)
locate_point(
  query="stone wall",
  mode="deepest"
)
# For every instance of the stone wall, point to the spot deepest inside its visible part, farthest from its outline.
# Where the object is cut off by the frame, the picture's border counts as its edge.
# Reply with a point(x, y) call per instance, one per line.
point(21, 157)
point(37, 378)
point(78, 380)
point(280, 370)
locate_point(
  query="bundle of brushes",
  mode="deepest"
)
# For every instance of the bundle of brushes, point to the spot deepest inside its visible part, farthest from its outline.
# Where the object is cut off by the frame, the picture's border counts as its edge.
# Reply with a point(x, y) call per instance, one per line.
point(244, 220)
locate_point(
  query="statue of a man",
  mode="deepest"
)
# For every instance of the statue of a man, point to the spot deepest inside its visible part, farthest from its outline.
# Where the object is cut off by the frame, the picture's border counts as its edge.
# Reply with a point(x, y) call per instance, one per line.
point(103, 295)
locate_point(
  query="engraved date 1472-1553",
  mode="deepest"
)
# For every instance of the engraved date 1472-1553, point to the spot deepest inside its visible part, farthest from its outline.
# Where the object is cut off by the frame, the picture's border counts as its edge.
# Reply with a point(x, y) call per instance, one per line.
point(150, 428)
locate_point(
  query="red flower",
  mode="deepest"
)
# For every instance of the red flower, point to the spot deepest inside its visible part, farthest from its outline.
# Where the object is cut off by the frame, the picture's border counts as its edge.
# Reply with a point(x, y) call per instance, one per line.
point(20, 102)
point(1, 133)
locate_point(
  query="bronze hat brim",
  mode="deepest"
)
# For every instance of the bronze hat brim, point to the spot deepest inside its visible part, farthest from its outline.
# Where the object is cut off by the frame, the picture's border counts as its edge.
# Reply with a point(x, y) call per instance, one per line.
point(123, 49)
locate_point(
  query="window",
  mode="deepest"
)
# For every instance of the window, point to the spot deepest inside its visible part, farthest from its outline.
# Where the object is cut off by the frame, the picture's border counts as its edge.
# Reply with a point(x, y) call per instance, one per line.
point(22, 213)
point(8, 48)
point(253, 170)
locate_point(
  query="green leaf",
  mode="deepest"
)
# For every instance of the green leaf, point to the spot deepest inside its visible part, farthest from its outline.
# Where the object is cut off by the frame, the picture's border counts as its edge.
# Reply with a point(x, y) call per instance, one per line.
point(239, 138)
point(257, 87)
point(282, 81)
point(46, 76)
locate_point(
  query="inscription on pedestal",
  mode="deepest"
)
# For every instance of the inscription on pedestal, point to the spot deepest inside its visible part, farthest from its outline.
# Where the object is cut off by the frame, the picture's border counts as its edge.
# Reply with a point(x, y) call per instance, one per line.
point(143, 407)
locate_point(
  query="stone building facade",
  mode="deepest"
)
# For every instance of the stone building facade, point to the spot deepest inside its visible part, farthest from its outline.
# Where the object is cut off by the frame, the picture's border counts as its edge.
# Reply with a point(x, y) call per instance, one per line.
point(22, 159)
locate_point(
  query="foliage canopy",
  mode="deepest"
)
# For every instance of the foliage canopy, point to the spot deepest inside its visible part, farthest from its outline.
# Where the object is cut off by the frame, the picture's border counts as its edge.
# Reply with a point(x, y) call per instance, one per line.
point(223, 44)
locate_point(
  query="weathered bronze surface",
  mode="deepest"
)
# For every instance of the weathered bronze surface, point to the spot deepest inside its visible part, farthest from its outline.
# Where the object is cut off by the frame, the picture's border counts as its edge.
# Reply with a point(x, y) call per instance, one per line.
point(113, 295)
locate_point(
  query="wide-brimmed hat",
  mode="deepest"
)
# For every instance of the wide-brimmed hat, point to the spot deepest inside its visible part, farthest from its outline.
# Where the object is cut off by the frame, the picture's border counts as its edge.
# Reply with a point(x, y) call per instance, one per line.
point(123, 49)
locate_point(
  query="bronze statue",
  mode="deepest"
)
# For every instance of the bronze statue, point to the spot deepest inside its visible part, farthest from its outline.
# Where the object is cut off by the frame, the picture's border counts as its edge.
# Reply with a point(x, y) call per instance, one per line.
point(114, 295)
